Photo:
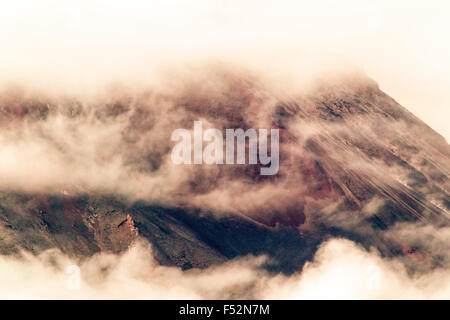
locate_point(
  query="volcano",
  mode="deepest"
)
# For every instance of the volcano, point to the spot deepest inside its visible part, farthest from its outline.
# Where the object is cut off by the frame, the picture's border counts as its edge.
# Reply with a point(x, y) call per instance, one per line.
point(95, 175)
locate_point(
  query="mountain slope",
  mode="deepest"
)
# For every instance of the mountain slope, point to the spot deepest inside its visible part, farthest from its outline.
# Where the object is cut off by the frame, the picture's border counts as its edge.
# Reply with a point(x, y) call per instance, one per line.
point(353, 164)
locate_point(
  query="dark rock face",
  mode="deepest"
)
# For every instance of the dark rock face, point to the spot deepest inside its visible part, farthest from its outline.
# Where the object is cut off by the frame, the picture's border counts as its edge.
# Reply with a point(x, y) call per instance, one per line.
point(353, 164)
point(84, 226)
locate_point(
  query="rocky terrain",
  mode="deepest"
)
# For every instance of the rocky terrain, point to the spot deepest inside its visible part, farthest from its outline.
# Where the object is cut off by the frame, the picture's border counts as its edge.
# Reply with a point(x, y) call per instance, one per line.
point(353, 164)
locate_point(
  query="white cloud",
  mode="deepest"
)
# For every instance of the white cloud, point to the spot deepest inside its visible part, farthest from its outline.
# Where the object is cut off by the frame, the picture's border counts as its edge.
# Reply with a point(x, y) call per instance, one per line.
point(340, 270)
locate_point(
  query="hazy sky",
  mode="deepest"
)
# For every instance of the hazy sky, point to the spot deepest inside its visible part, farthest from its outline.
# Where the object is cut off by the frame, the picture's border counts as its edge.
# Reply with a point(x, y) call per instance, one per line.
point(403, 45)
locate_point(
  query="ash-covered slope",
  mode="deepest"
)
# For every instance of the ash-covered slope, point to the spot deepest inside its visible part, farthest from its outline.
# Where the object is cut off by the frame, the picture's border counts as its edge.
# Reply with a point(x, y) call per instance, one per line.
point(353, 164)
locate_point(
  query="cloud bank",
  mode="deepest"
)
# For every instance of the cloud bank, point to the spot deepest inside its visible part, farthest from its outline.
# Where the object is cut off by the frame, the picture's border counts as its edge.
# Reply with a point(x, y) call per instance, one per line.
point(340, 270)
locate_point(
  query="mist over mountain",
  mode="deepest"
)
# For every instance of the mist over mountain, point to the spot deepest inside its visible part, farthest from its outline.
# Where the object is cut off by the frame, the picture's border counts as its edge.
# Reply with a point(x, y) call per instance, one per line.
point(90, 180)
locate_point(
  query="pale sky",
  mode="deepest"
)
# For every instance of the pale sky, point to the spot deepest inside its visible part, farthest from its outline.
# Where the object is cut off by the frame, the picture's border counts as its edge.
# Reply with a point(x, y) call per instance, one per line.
point(403, 45)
